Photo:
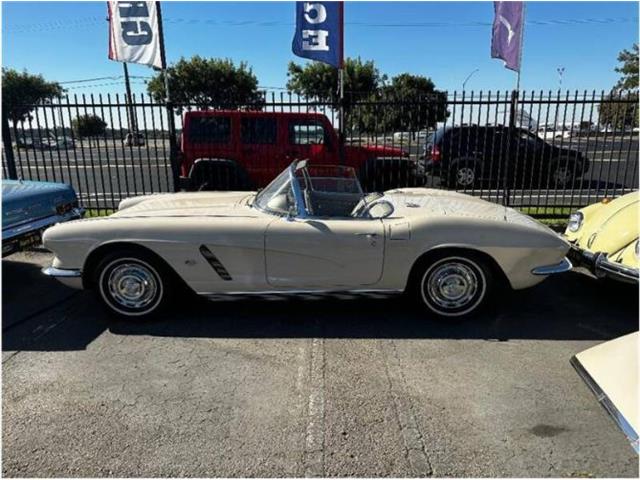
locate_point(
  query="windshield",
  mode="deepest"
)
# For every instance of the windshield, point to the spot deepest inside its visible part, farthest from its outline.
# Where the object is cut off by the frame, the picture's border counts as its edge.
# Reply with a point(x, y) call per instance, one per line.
point(277, 197)
point(321, 191)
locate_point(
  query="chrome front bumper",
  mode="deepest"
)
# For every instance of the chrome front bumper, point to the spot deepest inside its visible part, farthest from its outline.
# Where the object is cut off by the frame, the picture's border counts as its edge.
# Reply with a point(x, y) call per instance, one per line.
point(70, 278)
point(600, 265)
point(563, 266)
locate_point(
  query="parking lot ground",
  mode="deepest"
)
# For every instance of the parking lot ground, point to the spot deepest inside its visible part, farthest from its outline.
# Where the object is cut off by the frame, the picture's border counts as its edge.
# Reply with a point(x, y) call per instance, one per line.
point(365, 387)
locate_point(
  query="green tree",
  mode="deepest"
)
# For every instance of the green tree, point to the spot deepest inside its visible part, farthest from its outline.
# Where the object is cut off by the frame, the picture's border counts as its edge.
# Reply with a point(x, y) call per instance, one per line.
point(89, 125)
point(407, 103)
point(22, 91)
point(619, 109)
point(320, 81)
point(628, 69)
point(208, 83)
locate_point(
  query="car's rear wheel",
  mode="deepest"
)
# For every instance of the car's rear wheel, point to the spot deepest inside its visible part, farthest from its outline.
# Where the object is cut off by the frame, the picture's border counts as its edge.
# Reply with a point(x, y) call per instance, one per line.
point(453, 285)
point(133, 285)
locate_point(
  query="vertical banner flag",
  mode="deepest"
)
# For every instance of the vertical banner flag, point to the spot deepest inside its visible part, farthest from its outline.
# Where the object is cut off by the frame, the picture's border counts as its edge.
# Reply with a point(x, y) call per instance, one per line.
point(319, 32)
point(134, 35)
point(506, 36)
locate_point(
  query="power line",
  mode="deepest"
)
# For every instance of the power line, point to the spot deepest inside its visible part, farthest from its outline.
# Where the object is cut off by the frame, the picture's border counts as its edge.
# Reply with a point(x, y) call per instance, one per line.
point(170, 21)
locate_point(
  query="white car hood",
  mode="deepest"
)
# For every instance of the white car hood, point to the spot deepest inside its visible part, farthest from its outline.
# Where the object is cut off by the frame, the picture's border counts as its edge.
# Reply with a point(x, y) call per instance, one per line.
point(186, 205)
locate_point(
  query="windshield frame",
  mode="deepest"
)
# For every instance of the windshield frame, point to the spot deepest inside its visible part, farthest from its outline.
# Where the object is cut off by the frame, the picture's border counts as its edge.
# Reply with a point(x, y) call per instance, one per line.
point(289, 174)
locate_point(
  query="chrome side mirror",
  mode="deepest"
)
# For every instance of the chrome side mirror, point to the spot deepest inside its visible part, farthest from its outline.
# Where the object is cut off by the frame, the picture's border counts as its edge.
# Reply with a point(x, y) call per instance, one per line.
point(380, 209)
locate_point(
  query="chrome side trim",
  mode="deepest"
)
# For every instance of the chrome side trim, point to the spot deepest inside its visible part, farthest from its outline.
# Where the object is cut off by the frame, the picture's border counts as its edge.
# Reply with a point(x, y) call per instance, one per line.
point(70, 278)
point(607, 404)
point(563, 266)
point(605, 267)
point(304, 292)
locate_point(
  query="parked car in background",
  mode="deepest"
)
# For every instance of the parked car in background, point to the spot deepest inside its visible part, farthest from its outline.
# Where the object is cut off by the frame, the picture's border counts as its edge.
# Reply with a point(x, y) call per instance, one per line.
point(241, 150)
point(553, 132)
point(467, 156)
point(604, 238)
point(134, 139)
point(610, 370)
point(312, 229)
point(61, 142)
point(28, 208)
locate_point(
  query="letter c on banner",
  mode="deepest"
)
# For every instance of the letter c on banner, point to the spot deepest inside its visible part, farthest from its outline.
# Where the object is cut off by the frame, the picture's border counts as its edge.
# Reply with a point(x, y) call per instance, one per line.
point(134, 36)
point(319, 16)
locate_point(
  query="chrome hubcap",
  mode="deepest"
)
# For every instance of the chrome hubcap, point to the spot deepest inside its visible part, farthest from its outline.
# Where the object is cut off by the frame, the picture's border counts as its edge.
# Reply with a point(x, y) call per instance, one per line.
point(465, 176)
point(132, 285)
point(452, 285)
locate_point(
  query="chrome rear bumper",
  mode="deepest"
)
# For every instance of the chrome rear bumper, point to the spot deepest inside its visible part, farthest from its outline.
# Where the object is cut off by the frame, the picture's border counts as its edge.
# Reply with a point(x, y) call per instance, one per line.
point(70, 278)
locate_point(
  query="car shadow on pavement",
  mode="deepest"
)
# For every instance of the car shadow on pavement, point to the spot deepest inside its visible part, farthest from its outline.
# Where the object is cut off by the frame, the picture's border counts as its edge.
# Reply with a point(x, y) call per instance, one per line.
point(573, 306)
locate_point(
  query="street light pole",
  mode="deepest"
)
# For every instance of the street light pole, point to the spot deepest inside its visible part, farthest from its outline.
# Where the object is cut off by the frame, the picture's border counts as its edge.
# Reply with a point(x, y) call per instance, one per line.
point(468, 77)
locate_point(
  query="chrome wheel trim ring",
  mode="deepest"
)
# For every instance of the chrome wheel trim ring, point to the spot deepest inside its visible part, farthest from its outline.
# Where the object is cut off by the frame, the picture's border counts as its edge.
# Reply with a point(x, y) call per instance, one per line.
point(451, 283)
point(133, 286)
point(465, 176)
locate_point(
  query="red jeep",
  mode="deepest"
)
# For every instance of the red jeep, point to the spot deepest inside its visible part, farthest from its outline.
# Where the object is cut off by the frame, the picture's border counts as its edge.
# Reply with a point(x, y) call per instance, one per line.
point(238, 150)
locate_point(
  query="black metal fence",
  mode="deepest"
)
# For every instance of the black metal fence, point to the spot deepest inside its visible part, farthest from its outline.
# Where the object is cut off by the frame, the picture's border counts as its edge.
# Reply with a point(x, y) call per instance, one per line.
point(541, 151)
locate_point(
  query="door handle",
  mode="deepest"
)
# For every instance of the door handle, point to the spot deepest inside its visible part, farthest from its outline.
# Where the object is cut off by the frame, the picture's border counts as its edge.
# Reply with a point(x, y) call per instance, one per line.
point(368, 235)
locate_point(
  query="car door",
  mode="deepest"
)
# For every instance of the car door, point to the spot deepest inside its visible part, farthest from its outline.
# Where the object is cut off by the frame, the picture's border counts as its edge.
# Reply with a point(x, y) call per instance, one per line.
point(314, 253)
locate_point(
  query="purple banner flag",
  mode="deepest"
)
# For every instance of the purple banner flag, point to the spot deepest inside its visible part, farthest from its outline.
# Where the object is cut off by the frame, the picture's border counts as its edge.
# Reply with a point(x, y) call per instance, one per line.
point(506, 37)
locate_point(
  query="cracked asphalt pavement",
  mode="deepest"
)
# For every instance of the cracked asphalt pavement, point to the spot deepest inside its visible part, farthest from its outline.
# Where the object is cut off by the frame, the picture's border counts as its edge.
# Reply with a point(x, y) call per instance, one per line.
point(365, 387)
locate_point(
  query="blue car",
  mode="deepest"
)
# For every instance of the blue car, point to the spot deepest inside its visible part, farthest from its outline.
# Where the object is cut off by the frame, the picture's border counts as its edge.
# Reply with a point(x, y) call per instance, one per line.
point(29, 207)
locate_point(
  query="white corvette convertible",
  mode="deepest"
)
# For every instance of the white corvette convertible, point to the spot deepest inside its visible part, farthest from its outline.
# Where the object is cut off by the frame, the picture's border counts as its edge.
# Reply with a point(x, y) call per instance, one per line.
point(311, 230)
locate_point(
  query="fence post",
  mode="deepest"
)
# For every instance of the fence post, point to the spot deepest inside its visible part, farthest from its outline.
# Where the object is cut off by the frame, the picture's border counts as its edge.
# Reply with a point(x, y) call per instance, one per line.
point(8, 147)
point(513, 109)
point(173, 147)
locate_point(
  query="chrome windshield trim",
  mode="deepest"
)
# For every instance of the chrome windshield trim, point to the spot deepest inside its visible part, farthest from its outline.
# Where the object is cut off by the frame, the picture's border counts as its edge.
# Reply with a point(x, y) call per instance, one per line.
point(301, 211)
point(607, 404)
point(563, 266)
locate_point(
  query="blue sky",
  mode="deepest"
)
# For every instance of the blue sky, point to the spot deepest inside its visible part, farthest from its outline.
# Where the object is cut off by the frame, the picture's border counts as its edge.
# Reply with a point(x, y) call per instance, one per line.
point(68, 40)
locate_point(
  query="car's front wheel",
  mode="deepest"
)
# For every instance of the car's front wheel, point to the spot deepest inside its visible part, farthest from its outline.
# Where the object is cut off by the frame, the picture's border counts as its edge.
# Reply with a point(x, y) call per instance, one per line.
point(133, 285)
point(453, 285)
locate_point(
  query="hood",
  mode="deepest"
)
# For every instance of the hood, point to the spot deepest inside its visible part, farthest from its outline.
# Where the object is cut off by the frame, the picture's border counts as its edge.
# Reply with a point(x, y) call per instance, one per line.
point(429, 201)
point(186, 205)
point(612, 226)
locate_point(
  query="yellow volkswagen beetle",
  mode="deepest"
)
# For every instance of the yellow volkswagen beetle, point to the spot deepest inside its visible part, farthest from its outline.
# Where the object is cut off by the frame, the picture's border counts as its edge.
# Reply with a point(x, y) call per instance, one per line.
point(604, 238)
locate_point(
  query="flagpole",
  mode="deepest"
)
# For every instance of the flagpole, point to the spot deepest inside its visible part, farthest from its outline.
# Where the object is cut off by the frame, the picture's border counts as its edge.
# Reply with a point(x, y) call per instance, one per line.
point(173, 144)
point(127, 83)
point(341, 81)
point(524, 7)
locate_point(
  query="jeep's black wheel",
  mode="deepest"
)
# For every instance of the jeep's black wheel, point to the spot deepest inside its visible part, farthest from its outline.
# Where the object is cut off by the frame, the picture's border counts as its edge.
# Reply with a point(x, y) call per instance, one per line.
point(463, 174)
point(133, 285)
point(453, 285)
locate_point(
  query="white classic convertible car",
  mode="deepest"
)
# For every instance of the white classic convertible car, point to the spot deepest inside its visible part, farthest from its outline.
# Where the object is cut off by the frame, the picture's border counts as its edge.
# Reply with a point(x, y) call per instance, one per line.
point(310, 230)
